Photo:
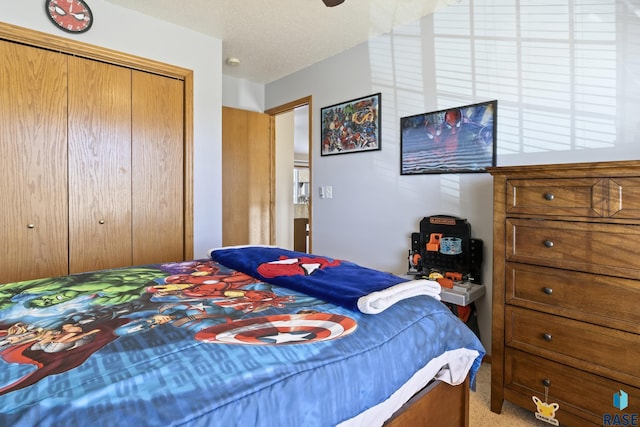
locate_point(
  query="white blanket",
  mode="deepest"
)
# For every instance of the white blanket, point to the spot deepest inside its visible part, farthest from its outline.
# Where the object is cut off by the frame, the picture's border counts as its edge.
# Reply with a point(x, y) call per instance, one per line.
point(379, 301)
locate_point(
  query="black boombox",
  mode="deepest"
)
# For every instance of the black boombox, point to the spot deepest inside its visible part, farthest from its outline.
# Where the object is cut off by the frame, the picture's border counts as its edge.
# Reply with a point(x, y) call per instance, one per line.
point(444, 244)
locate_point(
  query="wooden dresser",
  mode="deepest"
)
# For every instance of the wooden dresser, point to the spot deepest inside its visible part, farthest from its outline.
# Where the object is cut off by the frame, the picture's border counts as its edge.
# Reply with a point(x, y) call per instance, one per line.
point(566, 288)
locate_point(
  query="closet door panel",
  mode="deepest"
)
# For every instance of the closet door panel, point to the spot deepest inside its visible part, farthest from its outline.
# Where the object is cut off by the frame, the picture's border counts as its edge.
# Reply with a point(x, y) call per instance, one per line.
point(33, 154)
point(99, 165)
point(157, 168)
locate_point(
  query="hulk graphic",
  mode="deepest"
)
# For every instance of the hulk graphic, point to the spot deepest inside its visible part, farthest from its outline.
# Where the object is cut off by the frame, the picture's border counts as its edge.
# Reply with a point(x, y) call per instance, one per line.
point(108, 287)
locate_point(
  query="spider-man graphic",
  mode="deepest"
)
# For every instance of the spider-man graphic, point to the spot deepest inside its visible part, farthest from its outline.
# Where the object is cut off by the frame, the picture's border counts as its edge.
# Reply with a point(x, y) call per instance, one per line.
point(301, 266)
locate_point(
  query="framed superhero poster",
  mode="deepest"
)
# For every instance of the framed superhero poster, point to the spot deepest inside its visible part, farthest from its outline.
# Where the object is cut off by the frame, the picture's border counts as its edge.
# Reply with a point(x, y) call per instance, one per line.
point(455, 140)
point(351, 127)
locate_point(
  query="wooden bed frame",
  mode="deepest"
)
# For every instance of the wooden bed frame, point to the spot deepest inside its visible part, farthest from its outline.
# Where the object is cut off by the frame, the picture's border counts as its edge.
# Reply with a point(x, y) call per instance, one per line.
point(437, 405)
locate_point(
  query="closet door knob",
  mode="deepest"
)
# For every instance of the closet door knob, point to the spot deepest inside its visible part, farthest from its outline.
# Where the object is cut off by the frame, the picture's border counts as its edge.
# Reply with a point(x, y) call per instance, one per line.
point(549, 196)
point(31, 226)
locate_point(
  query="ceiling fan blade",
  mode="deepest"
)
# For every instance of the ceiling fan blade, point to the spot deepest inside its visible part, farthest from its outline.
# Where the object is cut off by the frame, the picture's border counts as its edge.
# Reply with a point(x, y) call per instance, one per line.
point(331, 3)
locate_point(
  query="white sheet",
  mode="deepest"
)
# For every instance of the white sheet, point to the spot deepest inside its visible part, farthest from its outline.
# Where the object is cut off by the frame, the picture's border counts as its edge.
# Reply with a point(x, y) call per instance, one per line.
point(451, 367)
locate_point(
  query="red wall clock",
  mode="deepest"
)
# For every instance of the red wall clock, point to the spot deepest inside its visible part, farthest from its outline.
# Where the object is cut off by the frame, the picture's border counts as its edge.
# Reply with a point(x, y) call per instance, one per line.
point(72, 16)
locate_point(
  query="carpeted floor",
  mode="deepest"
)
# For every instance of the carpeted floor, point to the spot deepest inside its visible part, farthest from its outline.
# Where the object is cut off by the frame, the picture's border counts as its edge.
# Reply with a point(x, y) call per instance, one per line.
point(480, 414)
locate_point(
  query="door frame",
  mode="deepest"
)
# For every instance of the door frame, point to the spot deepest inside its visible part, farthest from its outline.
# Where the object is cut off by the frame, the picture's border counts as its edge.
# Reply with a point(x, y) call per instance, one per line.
point(273, 112)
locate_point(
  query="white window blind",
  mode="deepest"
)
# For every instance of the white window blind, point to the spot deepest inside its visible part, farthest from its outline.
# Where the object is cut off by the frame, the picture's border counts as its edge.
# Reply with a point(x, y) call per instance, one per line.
point(551, 63)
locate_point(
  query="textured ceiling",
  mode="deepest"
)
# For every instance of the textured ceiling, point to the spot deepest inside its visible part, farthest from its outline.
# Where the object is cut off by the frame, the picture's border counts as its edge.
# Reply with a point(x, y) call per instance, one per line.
point(274, 38)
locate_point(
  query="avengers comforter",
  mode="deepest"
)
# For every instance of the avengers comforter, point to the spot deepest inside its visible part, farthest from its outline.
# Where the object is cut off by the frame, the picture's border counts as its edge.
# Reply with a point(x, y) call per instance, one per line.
point(198, 343)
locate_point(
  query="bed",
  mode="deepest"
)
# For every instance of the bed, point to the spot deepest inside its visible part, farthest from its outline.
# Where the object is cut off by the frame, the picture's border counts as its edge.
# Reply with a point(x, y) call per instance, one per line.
point(246, 337)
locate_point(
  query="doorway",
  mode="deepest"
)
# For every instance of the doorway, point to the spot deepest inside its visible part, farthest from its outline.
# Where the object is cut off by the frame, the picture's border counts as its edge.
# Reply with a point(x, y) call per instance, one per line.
point(292, 213)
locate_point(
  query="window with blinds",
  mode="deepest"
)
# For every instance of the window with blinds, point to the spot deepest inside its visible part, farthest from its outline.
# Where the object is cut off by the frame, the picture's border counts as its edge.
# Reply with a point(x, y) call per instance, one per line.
point(551, 64)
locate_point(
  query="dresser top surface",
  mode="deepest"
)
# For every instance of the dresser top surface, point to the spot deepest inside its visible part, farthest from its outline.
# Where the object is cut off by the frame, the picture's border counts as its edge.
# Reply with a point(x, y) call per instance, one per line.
point(623, 167)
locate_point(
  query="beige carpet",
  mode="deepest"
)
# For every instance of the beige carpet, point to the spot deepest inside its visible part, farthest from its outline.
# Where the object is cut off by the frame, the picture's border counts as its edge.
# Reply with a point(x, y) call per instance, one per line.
point(480, 409)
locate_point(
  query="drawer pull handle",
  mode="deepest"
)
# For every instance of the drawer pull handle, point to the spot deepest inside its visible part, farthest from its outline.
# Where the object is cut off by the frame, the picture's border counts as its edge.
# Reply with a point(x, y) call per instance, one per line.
point(547, 291)
point(31, 226)
point(549, 196)
point(547, 337)
point(548, 243)
point(546, 382)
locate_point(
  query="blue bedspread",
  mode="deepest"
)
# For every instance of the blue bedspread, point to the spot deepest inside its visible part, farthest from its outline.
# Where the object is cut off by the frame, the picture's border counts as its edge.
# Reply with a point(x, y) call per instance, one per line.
point(198, 344)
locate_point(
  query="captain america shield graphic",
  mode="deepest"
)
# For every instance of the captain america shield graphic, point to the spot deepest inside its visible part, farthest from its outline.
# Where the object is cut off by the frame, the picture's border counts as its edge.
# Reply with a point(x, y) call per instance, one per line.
point(280, 329)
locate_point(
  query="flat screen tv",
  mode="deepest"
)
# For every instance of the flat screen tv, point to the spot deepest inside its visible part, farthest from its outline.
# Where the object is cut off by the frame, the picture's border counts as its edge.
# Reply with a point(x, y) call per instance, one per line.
point(455, 140)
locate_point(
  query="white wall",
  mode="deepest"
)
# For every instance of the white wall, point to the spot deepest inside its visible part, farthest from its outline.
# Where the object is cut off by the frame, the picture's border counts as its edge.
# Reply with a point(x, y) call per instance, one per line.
point(126, 31)
point(242, 94)
point(567, 90)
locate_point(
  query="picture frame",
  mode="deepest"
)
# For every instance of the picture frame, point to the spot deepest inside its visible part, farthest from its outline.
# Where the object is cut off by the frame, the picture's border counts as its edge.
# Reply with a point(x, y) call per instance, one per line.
point(455, 140)
point(351, 127)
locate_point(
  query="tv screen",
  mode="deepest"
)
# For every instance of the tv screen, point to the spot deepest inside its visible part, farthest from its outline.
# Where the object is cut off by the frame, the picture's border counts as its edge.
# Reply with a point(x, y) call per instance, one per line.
point(455, 140)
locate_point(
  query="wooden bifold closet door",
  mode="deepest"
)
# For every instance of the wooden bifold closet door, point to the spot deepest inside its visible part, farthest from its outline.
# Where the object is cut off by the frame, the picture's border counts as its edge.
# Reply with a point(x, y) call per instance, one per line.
point(125, 167)
point(33, 156)
point(99, 165)
point(158, 168)
point(93, 165)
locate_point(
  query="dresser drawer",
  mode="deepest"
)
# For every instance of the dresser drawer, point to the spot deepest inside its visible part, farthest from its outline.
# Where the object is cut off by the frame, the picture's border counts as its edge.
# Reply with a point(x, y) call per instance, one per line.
point(579, 394)
point(608, 249)
point(568, 196)
point(624, 197)
point(593, 348)
point(605, 300)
